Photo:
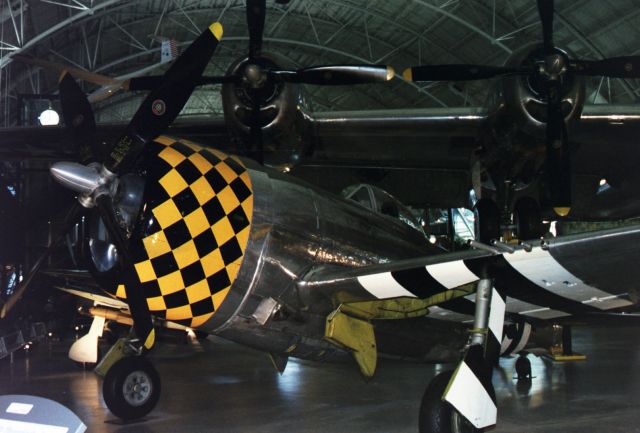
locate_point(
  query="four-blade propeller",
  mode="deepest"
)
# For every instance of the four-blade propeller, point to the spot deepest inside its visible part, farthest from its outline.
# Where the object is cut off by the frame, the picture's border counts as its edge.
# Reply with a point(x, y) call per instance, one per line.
point(254, 77)
point(96, 183)
point(258, 74)
point(550, 71)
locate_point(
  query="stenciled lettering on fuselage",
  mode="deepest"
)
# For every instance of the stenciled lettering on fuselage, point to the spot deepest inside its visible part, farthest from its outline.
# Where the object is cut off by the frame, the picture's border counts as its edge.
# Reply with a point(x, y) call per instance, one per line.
point(197, 219)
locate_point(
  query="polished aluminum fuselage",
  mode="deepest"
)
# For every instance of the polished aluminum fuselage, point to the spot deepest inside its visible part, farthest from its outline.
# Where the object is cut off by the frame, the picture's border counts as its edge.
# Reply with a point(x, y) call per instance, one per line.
point(297, 228)
point(225, 246)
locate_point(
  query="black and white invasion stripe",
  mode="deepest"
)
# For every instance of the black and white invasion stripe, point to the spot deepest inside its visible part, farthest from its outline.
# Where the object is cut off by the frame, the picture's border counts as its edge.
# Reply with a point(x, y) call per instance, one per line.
point(534, 283)
point(470, 391)
point(515, 338)
point(493, 343)
point(420, 282)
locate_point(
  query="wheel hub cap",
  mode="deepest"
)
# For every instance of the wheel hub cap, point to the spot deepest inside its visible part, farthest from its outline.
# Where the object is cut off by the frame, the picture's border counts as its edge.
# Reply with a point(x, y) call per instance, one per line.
point(137, 388)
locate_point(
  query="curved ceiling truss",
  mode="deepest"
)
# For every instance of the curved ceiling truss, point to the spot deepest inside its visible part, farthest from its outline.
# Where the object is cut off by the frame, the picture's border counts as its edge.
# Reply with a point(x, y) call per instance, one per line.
point(116, 38)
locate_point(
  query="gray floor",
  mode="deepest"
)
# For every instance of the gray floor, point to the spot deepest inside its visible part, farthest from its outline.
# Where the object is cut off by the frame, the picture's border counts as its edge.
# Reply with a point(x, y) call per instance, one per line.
point(222, 387)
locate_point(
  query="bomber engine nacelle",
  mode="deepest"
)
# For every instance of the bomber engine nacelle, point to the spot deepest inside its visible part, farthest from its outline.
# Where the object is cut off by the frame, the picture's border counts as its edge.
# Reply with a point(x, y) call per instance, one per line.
point(524, 96)
point(260, 103)
point(515, 146)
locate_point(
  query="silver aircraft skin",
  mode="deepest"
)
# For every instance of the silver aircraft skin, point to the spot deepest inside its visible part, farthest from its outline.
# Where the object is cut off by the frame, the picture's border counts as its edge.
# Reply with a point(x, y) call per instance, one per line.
point(295, 228)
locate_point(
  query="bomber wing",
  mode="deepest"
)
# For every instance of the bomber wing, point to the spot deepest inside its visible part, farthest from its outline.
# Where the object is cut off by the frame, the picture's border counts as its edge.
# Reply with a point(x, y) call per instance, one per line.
point(431, 149)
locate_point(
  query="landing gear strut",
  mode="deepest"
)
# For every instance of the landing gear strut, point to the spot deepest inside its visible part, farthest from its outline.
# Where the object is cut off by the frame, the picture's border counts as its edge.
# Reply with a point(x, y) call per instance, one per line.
point(487, 220)
point(131, 386)
point(463, 401)
point(527, 219)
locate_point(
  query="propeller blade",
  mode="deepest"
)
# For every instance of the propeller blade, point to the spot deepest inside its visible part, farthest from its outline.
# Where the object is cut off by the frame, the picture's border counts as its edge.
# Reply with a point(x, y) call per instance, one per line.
point(545, 9)
point(337, 74)
point(166, 101)
point(136, 299)
point(143, 83)
point(256, 11)
point(81, 74)
point(222, 79)
point(69, 221)
point(459, 72)
point(257, 150)
point(615, 67)
point(78, 117)
point(558, 164)
point(105, 92)
point(153, 81)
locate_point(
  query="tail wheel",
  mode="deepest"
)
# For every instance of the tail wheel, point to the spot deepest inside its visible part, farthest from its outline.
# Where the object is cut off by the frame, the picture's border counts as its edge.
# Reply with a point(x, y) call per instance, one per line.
point(487, 220)
point(131, 388)
point(527, 218)
point(437, 416)
point(523, 367)
point(90, 365)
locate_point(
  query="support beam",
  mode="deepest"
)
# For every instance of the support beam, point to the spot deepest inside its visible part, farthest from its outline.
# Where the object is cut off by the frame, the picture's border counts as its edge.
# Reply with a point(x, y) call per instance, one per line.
point(4, 61)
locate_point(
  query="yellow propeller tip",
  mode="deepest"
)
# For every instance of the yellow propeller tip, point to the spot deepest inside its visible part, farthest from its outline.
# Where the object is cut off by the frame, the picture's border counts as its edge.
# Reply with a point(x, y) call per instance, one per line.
point(61, 77)
point(216, 29)
point(407, 74)
point(390, 73)
point(562, 211)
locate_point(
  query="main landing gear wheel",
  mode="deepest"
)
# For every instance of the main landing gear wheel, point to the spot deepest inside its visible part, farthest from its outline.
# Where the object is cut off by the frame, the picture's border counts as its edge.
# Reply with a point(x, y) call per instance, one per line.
point(487, 220)
point(131, 388)
point(527, 219)
point(437, 416)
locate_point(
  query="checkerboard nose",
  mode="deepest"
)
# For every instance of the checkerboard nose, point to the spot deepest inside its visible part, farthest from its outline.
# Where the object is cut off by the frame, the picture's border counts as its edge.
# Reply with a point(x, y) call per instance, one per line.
point(198, 219)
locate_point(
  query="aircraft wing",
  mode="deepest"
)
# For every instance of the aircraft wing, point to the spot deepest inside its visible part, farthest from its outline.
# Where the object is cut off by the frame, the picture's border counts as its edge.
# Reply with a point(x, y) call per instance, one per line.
point(430, 149)
point(74, 277)
point(580, 276)
point(433, 149)
point(97, 298)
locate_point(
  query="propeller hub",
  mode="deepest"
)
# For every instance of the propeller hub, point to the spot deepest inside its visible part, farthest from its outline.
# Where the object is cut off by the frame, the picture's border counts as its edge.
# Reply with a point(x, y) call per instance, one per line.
point(548, 68)
point(554, 66)
point(255, 87)
point(254, 76)
point(90, 181)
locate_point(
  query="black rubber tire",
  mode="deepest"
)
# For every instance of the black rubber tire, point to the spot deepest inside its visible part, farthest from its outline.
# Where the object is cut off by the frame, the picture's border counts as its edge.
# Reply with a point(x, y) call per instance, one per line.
point(487, 220)
point(527, 219)
point(437, 416)
point(523, 368)
point(123, 373)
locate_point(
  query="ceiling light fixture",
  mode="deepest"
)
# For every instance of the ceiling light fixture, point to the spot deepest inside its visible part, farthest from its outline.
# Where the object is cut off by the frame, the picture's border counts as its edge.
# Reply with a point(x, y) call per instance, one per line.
point(49, 117)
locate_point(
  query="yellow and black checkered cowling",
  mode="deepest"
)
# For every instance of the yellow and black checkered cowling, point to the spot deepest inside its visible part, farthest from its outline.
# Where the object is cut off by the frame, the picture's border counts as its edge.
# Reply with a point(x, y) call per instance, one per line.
point(196, 223)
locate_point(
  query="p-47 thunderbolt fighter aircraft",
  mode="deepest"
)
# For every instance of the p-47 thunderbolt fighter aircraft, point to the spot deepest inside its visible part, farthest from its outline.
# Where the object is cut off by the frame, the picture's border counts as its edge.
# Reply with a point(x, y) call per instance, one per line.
point(187, 235)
